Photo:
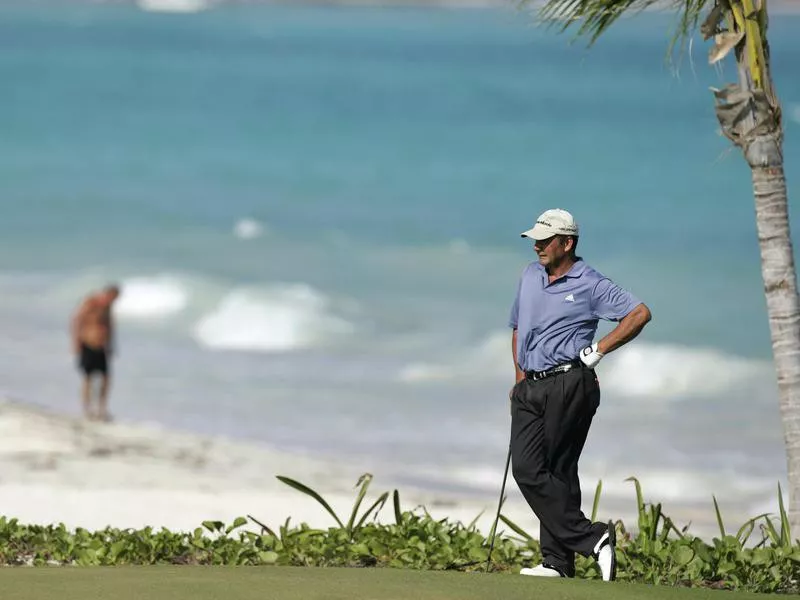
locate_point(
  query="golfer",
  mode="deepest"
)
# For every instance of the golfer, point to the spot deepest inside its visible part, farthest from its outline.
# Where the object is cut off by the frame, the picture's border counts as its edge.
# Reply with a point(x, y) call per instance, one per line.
point(554, 317)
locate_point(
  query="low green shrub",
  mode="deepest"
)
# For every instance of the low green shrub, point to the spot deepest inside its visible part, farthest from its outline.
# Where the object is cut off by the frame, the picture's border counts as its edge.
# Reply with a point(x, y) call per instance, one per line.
point(656, 552)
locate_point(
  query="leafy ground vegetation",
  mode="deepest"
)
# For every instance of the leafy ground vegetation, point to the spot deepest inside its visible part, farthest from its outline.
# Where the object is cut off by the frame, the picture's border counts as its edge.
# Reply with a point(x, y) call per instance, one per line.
point(758, 556)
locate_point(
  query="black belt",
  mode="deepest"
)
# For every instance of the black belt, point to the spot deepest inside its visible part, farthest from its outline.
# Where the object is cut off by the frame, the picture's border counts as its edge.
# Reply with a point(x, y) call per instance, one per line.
point(563, 368)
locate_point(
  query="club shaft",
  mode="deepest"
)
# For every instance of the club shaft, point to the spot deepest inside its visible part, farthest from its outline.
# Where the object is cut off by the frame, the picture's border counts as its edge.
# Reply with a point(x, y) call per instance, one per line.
point(499, 507)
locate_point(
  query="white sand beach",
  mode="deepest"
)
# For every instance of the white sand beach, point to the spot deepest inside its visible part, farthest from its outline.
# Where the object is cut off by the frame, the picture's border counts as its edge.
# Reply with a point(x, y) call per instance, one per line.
point(59, 469)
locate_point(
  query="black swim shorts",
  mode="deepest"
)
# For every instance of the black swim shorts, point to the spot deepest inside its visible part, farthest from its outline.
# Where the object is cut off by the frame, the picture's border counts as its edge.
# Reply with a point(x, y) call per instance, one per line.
point(93, 360)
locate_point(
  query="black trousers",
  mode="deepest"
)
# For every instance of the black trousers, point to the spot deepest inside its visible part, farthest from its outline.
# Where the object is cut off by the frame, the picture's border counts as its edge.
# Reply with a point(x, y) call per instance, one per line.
point(550, 420)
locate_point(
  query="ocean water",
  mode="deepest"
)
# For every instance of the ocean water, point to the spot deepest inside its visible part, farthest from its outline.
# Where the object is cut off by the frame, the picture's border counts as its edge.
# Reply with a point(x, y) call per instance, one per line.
point(314, 213)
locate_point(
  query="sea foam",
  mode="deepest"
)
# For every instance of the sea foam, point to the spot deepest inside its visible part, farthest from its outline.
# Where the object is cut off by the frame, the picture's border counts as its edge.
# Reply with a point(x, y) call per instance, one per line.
point(289, 317)
point(151, 297)
point(490, 359)
point(666, 370)
point(640, 370)
point(173, 6)
point(248, 229)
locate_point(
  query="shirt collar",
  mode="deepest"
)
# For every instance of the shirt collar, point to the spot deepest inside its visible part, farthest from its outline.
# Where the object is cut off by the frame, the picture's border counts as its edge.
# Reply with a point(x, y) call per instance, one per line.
point(575, 271)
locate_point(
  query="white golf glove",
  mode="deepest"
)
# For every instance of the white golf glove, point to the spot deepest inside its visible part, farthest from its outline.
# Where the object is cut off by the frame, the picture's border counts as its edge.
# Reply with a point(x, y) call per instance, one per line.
point(590, 356)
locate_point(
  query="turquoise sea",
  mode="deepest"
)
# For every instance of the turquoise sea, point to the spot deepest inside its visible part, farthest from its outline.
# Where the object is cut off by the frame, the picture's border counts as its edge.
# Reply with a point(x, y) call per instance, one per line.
point(314, 213)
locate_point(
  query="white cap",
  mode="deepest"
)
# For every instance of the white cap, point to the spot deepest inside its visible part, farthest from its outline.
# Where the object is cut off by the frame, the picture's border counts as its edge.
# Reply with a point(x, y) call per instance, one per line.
point(555, 221)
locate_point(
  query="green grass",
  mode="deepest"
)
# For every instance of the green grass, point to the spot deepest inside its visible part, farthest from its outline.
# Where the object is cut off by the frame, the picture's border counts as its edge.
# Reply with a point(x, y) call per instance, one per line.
point(426, 558)
point(307, 583)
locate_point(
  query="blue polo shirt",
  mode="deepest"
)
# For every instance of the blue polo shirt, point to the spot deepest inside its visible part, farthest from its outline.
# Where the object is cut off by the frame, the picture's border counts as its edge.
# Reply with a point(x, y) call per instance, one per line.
point(555, 321)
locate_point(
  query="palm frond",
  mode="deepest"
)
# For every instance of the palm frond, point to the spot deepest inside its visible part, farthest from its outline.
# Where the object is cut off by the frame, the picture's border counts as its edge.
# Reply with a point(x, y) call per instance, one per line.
point(594, 17)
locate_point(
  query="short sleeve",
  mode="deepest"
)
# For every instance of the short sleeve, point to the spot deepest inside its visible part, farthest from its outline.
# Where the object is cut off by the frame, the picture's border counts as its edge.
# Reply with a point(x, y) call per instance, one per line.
point(611, 302)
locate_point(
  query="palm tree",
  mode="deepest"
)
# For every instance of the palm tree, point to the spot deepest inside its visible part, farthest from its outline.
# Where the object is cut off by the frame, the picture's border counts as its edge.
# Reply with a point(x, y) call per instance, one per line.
point(749, 114)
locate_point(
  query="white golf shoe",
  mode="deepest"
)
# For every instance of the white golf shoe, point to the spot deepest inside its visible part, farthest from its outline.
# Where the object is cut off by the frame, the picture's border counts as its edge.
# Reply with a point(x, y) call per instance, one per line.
point(543, 571)
point(605, 554)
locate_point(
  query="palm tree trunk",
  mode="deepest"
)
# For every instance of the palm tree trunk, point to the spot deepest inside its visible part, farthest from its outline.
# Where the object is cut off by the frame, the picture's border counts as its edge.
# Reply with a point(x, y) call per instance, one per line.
point(783, 309)
point(750, 117)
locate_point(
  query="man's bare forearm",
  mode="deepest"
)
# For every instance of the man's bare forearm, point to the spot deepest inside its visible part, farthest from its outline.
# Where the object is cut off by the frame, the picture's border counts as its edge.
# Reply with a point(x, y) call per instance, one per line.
point(520, 374)
point(75, 328)
point(627, 329)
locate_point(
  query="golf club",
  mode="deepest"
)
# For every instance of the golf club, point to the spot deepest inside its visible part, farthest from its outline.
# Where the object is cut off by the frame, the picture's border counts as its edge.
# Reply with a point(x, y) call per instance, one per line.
point(499, 506)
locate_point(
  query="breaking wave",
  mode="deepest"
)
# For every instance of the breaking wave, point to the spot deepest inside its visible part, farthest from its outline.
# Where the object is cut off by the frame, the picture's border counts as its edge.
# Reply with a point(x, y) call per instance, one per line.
point(656, 371)
point(284, 318)
point(173, 6)
point(248, 229)
point(152, 297)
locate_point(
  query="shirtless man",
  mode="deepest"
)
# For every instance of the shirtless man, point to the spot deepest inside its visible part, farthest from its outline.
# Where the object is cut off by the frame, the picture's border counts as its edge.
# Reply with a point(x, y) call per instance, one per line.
point(93, 345)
